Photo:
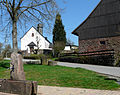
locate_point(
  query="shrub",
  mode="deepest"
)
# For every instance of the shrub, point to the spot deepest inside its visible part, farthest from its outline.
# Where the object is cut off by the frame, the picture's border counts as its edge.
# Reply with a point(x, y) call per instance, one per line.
point(117, 62)
point(107, 60)
point(31, 57)
point(1, 57)
point(35, 56)
point(73, 59)
point(41, 57)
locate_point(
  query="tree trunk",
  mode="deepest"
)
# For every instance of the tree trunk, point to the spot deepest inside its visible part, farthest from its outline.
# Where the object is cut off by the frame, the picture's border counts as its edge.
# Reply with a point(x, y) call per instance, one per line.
point(14, 36)
point(17, 71)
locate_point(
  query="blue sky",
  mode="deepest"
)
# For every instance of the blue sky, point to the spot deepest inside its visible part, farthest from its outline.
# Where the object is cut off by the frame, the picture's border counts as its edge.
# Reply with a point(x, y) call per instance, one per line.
point(75, 12)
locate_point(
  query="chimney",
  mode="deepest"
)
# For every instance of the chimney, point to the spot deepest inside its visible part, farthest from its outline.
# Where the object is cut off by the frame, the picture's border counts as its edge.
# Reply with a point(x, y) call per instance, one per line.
point(40, 28)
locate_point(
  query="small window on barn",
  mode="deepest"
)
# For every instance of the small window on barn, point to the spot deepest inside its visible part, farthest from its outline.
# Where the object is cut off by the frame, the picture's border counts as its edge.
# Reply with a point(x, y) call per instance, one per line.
point(32, 34)
point(102, 42)
point(119, 26)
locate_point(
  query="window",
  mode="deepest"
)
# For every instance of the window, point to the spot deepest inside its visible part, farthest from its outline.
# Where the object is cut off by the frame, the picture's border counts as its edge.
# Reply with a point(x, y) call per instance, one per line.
point(102, 42)
point(37, 42)
point(32, 34)
point(119, 26)
point(37, 38)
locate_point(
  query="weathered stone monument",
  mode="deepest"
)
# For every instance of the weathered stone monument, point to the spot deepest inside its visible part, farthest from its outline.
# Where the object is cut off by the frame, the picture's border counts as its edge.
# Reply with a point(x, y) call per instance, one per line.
point(17, 83)
point(16, 65)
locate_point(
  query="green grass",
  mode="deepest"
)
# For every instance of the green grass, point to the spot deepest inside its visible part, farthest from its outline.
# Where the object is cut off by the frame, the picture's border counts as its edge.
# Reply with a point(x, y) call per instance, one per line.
point(53, 59)
point(62, 76)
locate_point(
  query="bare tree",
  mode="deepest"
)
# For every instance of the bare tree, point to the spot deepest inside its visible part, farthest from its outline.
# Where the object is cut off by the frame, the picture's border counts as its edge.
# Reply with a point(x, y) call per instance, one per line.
point(69, 42)
point(1, 45)
point(17, 12)
point(6, 51)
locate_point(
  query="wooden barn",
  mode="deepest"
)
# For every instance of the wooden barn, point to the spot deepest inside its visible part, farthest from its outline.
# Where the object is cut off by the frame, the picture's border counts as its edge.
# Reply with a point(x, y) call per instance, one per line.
point(101, 29)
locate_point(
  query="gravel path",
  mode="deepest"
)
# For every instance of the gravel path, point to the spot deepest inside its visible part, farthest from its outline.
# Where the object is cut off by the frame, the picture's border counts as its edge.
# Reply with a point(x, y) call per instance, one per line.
point(113, 71)
point(6, 94)
point(49, 90)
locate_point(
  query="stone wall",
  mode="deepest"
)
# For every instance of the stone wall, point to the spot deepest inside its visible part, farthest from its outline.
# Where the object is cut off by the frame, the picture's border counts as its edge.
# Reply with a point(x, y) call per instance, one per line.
point(18, 87)
point(99, 44)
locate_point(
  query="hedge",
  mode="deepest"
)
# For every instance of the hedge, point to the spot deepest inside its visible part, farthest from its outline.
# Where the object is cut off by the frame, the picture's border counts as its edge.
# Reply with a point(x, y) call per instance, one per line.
point(35, 56)
point(106, 60)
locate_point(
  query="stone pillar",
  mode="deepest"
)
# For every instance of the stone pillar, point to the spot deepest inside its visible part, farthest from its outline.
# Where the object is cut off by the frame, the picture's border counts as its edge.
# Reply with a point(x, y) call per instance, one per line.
point(17, 70)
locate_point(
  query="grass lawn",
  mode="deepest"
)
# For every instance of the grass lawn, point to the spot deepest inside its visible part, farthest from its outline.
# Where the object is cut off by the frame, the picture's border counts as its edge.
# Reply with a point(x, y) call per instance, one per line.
point(62, 76)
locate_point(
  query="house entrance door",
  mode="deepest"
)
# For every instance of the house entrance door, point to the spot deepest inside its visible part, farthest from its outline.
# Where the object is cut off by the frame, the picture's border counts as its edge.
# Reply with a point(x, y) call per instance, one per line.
point(31, 49)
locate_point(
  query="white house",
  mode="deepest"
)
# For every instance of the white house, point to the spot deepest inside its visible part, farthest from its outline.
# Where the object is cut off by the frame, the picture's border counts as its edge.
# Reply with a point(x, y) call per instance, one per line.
point(34, 39)
point(69, 47)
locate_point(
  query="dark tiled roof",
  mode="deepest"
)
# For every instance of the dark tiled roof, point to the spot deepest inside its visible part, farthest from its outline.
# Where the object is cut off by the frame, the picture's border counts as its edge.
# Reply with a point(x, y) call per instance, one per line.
point(103, 22)
point(51, 45)
point(32, 44)
point(67, 44)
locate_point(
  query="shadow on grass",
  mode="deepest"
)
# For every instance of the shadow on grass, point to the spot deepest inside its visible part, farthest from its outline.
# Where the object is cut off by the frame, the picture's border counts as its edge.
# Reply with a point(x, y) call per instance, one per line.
point(32, 64)
point(4, 64)
point(111, 79)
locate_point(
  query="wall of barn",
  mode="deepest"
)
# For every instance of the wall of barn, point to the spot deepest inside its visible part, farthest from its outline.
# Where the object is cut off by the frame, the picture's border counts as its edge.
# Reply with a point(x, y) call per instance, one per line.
point(99, 44)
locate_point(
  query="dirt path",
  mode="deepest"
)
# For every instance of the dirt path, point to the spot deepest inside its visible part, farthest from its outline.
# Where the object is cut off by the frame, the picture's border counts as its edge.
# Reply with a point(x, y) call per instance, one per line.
point(49, 90)
point(6, 94)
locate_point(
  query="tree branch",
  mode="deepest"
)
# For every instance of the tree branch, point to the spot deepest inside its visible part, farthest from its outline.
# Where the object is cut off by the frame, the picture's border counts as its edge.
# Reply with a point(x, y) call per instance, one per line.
point(31, 7)
point(22, 12)
point(7, 6)
point(18, 6)
point(48, 10)
point(35, 5)
point(33, 15)
point(13, 4)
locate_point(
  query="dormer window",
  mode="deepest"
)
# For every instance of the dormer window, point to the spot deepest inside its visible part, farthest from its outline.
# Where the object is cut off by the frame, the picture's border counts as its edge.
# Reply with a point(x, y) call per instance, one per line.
point(32, 34)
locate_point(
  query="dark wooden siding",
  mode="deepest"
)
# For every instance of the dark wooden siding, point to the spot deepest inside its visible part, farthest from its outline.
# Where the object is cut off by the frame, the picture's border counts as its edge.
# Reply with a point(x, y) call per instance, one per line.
point(103, 22)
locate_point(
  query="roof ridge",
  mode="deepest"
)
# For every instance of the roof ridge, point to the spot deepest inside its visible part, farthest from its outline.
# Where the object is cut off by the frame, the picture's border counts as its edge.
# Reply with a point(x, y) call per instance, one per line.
point(74, 31)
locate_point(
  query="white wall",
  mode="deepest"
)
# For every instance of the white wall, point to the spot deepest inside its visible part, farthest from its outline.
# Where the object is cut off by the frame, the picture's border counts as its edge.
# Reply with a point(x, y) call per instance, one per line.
point(27, 39)
point(67, 48)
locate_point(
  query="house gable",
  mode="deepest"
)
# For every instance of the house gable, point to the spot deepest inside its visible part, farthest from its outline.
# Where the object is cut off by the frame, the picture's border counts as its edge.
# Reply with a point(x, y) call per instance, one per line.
point(33, 28)
point(104, 21)
point(37, 38)
point(36, 31)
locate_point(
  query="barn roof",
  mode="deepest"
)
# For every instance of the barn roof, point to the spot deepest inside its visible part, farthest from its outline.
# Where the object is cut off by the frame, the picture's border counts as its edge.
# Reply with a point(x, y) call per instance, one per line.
point(104, 21)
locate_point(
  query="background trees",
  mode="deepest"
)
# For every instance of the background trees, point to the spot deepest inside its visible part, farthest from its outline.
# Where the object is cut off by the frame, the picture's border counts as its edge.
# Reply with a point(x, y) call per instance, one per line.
point(7, 51)
point(59, 36)
point(69, 42)
point(15, 13)
point(1, 46)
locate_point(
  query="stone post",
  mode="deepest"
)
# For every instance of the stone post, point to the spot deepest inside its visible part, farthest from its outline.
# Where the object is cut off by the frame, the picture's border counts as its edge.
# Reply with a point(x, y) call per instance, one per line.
point(16, 66)
point(17, 84)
